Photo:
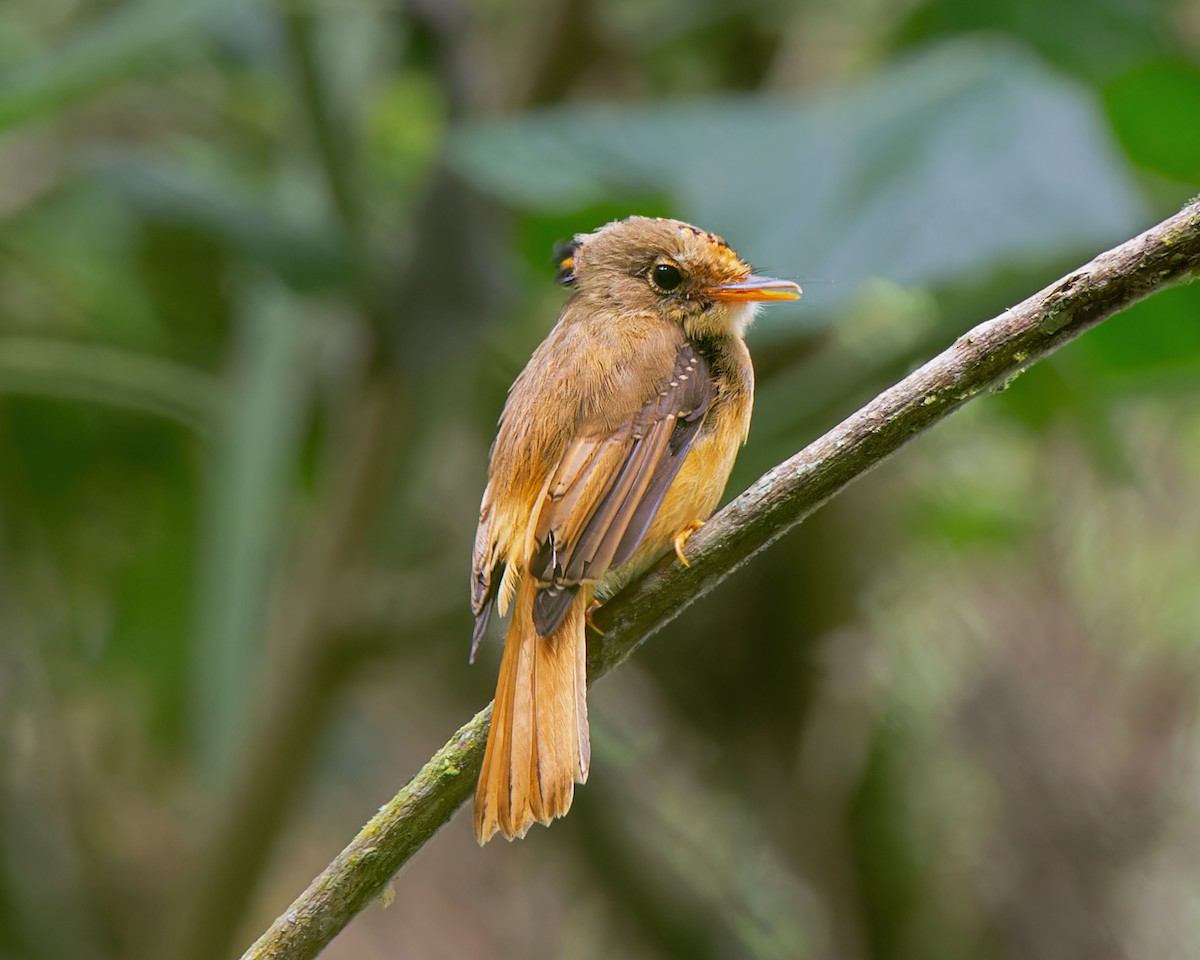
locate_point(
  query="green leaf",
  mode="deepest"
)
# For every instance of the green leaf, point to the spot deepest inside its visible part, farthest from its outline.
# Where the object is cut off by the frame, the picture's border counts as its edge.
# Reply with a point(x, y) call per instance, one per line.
point(129, 39)
point(80, 371)
point(1156, 341)
point(1092, 40)
point(307, 256)
point(1155, 111)
point(253, 454)
point(955, 163)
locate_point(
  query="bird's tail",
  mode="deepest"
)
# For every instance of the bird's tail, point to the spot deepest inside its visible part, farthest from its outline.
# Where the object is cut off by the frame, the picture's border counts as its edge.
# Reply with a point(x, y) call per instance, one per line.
point(538, 747)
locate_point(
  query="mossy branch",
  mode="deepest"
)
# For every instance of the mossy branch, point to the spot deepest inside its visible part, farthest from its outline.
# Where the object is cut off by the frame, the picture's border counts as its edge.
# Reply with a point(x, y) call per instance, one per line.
point(987, 357)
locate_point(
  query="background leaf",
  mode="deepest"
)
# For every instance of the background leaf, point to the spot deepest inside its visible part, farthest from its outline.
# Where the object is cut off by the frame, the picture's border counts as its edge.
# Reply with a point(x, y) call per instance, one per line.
point(969, 157)
point(131, 38)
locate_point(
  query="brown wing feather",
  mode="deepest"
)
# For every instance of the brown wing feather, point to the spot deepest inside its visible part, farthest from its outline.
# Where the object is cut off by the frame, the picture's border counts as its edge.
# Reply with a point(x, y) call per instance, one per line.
point(606, 488)
point(643, 512)
point(597, 539)
point(484, 567)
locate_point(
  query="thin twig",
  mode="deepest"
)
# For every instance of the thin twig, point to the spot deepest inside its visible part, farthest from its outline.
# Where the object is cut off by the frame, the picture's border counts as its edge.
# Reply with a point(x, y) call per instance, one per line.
point(985, 358)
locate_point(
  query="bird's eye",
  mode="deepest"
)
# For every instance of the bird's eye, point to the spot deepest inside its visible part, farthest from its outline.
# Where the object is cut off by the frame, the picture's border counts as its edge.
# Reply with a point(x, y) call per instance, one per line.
point(666, 276)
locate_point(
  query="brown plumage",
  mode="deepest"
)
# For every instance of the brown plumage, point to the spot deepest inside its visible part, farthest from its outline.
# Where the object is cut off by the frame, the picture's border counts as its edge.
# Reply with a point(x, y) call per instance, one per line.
point(617, 438)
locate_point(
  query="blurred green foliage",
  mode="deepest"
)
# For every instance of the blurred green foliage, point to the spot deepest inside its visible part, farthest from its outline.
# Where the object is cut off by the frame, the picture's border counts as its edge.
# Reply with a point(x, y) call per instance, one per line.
point(266, 271)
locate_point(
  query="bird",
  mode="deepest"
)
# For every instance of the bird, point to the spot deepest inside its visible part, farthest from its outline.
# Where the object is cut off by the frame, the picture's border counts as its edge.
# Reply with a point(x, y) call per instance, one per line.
point(614, 445)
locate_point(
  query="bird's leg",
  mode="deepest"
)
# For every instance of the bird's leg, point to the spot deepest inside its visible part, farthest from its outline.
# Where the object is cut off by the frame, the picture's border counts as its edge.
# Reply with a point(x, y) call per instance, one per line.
point(682, 537)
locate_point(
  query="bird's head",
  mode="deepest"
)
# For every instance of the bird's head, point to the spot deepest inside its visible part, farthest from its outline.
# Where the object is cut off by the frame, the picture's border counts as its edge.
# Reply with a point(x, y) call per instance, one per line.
point(692, 277)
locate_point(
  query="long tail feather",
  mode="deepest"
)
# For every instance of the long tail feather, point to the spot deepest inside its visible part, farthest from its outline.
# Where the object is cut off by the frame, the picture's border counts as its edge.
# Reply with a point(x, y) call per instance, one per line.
point(538, 746)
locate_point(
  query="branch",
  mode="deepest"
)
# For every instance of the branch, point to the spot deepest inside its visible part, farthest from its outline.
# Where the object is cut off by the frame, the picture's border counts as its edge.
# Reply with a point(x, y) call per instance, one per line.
point(985, 358)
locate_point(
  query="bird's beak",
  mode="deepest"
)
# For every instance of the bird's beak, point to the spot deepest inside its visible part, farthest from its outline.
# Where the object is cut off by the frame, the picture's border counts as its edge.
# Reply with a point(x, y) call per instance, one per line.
point(754, 288)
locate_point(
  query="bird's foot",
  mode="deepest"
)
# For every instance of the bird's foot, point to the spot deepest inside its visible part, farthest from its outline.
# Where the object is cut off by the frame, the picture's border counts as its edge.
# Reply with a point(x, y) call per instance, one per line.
point(591, 612)
point(682, 537)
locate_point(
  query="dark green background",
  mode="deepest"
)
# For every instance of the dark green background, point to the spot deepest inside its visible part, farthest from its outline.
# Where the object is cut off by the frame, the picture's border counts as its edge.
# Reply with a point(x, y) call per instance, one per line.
point(266, 272)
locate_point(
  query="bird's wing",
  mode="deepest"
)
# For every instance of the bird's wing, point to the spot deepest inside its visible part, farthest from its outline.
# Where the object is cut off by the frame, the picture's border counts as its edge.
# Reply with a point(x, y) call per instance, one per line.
point(485, 566)
point(608, 485)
